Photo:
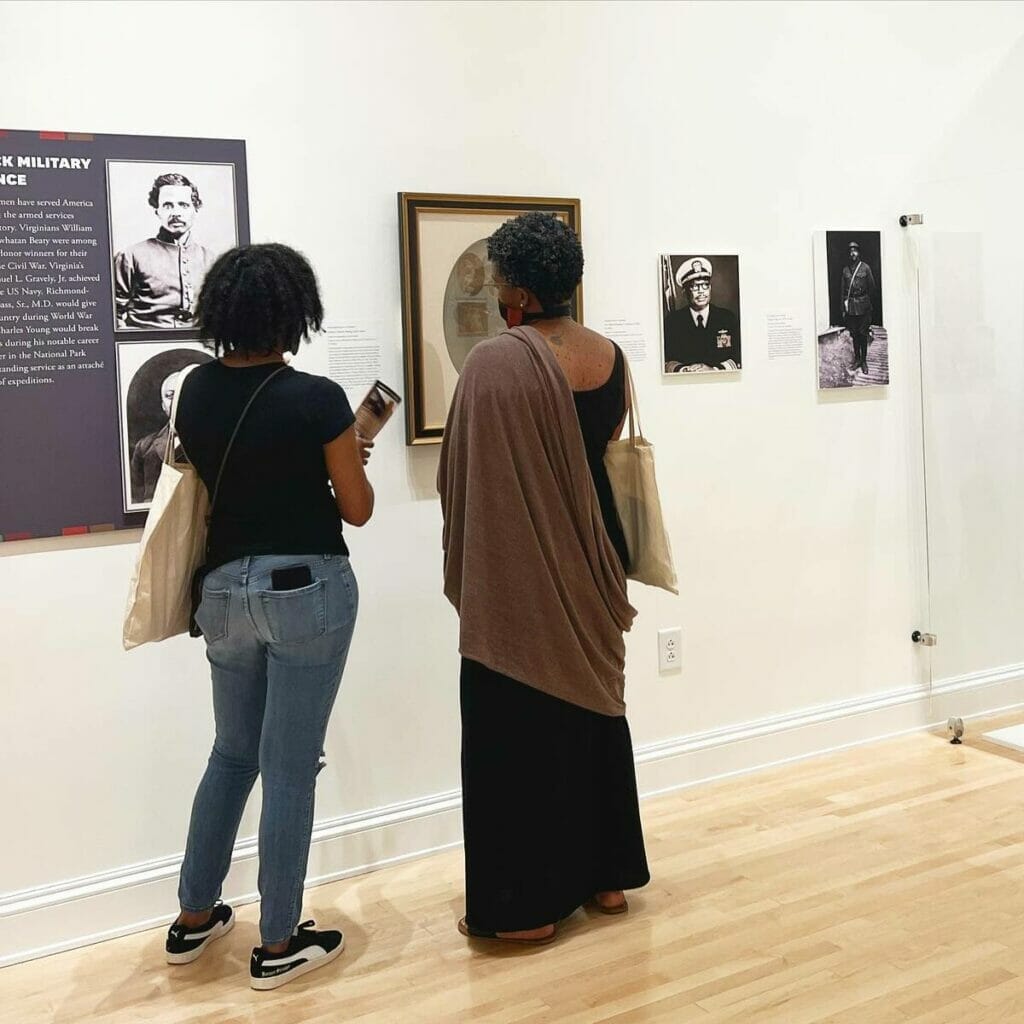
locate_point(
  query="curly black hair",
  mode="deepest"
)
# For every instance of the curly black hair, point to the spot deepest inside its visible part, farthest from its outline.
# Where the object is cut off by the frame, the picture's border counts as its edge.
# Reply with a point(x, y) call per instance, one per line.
point(173, 179)
point(259, 299)
point(540, 253)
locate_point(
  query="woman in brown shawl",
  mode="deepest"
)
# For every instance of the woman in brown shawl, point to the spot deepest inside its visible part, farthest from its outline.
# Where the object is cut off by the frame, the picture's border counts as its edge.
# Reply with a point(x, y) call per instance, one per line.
point(534, 558)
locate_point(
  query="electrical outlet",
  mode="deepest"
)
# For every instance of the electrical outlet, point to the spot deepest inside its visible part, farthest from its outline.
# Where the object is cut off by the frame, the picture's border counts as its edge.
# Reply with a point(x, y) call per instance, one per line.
point(670, 649)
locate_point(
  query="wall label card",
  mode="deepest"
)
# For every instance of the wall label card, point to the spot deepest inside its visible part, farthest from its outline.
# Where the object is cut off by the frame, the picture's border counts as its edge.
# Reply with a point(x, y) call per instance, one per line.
point(104, 244)
point(785, 336)
point(353, 355)
point(628, 335)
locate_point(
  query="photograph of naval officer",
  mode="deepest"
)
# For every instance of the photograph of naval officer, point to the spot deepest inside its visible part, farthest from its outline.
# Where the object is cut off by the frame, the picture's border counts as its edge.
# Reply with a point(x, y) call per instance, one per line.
point(700, 335)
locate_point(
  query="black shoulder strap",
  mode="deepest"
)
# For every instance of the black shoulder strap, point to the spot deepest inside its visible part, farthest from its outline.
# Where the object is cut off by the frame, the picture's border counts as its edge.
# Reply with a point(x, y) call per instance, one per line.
point(234, 434)
point(620, 357)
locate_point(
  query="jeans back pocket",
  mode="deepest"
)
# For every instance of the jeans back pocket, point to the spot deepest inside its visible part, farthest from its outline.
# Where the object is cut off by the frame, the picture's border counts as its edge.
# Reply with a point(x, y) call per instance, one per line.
point(212, 614)
point(295, 616)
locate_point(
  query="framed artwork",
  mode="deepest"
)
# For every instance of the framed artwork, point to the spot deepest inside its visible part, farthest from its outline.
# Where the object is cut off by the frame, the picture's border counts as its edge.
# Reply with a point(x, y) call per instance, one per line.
point(447, 307)
point(700, 313)
point(853, 344)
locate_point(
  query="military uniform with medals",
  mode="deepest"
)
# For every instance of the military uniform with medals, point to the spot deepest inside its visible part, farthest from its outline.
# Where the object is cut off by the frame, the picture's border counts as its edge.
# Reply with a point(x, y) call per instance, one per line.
point(694, 338)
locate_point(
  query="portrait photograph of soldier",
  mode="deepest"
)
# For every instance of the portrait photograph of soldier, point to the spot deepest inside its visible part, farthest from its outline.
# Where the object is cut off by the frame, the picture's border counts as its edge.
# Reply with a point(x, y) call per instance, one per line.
point(168, 223)
point(700, 314)
point(853, 345)
point(148, 376)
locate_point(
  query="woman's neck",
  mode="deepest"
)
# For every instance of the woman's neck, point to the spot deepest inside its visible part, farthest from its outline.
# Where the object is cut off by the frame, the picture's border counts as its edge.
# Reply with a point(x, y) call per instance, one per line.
point(556, 330)
point(237, 359)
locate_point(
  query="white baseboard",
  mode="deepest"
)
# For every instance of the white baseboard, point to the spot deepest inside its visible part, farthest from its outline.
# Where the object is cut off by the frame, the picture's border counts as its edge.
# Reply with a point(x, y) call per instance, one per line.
point(54, 918)
point(50, 919)
point(736, 750)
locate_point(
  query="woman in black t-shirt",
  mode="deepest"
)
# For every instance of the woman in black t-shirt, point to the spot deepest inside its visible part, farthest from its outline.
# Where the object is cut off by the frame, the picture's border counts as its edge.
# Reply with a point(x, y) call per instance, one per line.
point(279, 603)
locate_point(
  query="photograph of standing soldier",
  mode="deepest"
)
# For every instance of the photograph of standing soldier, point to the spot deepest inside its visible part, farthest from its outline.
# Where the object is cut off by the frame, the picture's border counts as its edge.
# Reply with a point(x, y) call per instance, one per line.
point(857, 289)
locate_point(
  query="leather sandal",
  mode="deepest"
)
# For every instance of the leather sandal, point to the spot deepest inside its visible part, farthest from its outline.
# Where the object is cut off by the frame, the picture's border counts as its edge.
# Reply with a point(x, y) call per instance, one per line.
point(475, 933)
point(619, 908)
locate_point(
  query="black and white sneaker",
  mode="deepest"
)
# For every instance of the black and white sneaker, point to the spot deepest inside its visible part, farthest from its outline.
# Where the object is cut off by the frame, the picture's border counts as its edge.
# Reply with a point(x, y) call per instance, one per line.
point(307, 950)
point(186, 944)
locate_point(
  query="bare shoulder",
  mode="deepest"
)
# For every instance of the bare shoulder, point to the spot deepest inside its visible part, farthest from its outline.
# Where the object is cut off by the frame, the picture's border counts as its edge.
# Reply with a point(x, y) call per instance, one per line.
point(587, 359)
point(599, 343)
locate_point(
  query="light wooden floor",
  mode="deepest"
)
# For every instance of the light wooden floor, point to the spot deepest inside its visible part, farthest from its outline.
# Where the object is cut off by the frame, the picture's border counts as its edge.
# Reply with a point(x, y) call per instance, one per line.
point(876, 886)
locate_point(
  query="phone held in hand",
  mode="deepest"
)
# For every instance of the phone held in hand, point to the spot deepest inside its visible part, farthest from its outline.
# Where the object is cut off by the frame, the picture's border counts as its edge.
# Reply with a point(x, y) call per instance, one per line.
point(375, 410)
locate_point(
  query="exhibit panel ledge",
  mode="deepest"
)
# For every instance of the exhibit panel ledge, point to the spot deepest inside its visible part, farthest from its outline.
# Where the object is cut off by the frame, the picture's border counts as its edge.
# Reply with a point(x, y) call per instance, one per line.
point(50, 919)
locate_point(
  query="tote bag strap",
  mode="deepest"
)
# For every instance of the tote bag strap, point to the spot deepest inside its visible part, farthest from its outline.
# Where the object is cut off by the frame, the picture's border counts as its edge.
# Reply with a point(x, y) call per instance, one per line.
point(636, 430)
point(172, 425)
point(234, 434)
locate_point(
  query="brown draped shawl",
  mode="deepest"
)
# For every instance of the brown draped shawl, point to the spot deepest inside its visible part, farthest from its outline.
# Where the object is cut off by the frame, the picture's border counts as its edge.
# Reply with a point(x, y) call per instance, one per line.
point(528, 564)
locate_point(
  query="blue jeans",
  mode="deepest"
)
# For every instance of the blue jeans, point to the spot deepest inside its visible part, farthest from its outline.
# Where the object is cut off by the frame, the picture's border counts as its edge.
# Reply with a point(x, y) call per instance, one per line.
point(276, 658)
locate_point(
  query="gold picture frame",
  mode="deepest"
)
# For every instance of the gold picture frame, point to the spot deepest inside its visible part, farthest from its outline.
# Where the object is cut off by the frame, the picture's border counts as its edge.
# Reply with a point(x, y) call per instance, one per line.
point(446, 307)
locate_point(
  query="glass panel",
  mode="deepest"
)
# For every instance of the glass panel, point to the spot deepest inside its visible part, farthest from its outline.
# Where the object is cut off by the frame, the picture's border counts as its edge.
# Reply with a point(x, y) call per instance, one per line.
point(972, 331)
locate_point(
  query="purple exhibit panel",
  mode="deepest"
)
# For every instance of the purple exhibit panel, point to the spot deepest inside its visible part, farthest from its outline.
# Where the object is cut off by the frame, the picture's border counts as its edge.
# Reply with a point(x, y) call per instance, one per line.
point(104, 241)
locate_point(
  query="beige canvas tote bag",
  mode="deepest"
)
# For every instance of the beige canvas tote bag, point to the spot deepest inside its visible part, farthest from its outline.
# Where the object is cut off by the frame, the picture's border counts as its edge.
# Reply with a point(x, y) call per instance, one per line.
point(172, 547)
point(630, 466)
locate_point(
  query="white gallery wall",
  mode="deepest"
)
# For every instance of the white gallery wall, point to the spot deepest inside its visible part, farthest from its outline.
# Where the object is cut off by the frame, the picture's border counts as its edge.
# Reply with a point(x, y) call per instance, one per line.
point(797, 520)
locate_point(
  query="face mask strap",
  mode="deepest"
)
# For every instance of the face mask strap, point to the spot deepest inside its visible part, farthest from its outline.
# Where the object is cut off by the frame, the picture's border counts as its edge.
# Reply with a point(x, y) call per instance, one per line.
point(512, 315)
point(548, 314)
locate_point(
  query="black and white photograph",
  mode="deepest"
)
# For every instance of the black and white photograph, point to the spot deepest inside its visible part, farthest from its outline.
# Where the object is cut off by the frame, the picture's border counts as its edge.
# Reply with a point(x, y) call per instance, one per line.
point(700, 313)
point(168, 223)
point(147, 375)
point(853, 345)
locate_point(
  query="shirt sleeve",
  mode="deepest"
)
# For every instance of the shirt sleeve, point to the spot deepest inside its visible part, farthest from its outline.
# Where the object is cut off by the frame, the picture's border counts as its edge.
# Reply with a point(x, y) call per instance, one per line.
point(123, 280)
point(138, 472)
point(329, 414)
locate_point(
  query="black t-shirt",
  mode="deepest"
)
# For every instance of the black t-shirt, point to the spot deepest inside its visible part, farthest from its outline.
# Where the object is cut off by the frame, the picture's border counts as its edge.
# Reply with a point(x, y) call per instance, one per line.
point(275, 496)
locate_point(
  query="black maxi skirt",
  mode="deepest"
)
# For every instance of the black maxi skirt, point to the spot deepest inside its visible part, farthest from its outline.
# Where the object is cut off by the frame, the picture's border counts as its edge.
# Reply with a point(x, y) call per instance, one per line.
point(549, 804)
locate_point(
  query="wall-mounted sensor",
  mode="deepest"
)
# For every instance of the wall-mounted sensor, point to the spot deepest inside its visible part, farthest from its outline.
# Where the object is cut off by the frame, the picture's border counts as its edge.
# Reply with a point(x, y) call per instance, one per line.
point(906, 219)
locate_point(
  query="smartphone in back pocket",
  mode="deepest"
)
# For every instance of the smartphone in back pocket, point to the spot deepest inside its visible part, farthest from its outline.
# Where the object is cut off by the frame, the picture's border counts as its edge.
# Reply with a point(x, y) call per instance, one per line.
point(291, 577)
